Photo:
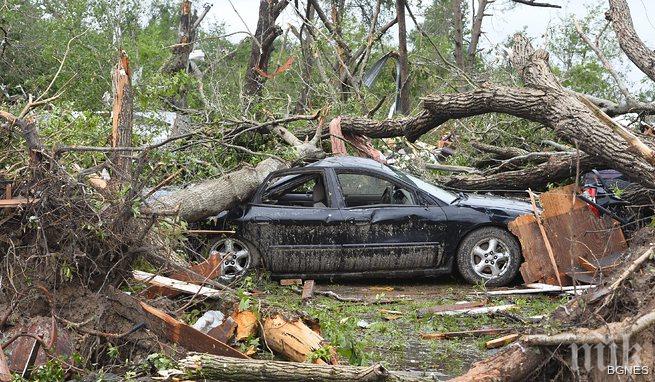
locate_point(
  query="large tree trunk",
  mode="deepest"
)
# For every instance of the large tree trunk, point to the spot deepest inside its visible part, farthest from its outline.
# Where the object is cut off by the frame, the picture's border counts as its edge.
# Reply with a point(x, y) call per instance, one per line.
point(212, 196)
point(262, 45)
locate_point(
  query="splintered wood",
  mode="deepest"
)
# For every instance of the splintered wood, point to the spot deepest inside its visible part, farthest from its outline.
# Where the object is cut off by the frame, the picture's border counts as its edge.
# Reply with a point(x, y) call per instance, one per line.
point(573, 231)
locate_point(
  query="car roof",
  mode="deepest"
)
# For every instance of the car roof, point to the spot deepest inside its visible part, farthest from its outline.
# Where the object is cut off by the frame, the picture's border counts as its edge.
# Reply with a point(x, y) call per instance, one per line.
point(350, 162)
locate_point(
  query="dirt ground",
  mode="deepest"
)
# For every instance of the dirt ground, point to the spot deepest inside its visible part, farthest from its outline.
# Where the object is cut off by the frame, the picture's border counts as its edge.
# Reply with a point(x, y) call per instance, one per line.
point(367, 332)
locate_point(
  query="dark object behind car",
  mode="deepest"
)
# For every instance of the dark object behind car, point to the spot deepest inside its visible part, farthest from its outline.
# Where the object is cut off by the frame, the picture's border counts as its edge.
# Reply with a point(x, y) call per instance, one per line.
point(354, 217)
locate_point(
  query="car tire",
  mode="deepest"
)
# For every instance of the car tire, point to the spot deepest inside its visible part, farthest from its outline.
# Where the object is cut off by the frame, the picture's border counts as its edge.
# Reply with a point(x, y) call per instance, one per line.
point(243, 257)
point(489, 255)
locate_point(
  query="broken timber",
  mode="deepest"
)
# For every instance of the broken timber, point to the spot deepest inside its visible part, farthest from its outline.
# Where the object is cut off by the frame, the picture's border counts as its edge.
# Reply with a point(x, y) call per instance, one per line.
point(502, 341)
point(467, 333)
point(307, 291)
point(572, 230)
point(451, 307)
point(186, 336)
point(176, 285)
point(292, 338)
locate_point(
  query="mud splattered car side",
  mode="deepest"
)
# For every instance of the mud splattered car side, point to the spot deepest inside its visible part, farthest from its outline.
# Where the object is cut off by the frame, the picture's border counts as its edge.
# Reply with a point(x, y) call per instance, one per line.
point(354, 217)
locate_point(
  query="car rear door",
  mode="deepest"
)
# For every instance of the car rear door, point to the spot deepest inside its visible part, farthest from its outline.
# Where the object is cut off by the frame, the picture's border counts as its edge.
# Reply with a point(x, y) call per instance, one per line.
point(295, 227)
point(387, 224)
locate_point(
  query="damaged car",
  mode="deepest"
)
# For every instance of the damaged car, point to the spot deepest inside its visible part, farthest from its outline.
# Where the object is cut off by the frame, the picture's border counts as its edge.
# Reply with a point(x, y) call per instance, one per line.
point(354, 217)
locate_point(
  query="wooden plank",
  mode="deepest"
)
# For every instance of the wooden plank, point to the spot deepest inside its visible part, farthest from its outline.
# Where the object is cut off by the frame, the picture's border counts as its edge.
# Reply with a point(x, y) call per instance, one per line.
point(467, 333)
point(188, 337)
point(450, 307)
point(16, 202)
point(543, 286)
point(308, 290)
point(477, 311)
point(536, 265)
point(287, 282)
point(502, 341)
point(177, 285)
point(544, 236)
point(208, 269)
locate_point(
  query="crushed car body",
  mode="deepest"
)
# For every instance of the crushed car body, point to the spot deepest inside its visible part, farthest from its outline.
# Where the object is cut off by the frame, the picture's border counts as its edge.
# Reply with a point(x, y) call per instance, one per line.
point(354, 217)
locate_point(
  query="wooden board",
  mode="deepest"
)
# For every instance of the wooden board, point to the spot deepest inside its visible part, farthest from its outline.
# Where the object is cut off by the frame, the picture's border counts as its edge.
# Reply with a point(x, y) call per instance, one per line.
point(176, 285)
point(450, 307)
point(502, 341)
point(210, 269)
point(308, 290)
point(16, 202)
point(186, 336)
point(573, 231)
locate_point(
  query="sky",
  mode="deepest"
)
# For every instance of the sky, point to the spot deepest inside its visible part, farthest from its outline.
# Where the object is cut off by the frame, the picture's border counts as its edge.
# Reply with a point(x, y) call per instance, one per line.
point(241, 15)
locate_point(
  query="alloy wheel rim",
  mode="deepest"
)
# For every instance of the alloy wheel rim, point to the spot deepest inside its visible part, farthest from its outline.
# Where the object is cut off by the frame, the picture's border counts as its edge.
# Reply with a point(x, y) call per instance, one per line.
point(235, 258)
point(490, 258)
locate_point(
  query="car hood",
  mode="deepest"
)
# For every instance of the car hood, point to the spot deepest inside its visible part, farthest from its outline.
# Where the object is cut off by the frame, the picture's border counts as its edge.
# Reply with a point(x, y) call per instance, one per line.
point(496, 204)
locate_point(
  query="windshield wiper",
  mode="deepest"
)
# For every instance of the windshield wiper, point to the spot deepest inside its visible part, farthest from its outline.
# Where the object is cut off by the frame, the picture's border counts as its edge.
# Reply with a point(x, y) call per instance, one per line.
point(460, 196)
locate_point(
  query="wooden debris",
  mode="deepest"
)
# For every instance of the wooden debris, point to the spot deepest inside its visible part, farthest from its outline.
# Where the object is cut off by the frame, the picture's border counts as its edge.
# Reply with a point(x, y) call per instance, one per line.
point(186, 336)
point(287, 282)
point(476, 311)
point(207, 367)
point(502, 341)
point(542, 230)
point(225, 331)
point(208, 269)
point(539, 288)
point(292, 338)
point(176, 285)
point(451, 307)
point(391, 315)
point(246, 324)
point(467, 333)
point(16, 202)
point(572, 231)
point(307, 290)
point(5, 373)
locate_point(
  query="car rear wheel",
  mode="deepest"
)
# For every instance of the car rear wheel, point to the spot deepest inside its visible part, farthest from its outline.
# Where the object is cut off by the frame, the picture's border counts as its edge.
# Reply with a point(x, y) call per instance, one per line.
point(237, 256)
point(489, 255)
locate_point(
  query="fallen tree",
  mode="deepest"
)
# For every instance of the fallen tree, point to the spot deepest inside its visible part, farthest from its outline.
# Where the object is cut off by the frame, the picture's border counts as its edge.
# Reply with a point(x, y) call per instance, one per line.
point(230, 369)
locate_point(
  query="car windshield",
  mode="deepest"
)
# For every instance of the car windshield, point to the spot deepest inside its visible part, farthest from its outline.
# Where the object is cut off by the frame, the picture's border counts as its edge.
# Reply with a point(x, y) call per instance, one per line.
point(439, 193)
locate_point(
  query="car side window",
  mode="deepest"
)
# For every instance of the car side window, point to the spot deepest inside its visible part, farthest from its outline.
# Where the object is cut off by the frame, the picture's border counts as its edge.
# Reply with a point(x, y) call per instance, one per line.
point(296, 190)
point(365, 190)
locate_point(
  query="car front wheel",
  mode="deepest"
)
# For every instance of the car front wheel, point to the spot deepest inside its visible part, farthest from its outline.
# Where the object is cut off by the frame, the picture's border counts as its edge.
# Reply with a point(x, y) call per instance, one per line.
point(237, 256)
point(489, 255)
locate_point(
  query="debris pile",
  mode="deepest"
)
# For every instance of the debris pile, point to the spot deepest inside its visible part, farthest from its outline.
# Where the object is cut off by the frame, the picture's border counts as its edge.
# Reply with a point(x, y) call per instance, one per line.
point(564, 237)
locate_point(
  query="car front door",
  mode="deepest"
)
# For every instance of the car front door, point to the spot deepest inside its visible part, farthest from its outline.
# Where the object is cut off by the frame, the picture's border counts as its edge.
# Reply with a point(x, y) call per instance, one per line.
point(295, 222)
point(387, 224)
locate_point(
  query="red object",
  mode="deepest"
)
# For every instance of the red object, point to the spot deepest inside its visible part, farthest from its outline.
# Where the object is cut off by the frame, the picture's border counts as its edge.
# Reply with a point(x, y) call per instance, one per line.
point(590, 193)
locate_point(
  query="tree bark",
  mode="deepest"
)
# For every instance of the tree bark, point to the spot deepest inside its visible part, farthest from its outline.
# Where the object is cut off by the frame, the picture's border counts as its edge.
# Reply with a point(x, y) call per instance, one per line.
point(262, 45)
point(212, 196)
point(629, 41)
point(403, 98)
point(476, 32)
point(554, 170)
point(307, 49)
point(458, 17)
point(238, 370)
point(121, 132)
